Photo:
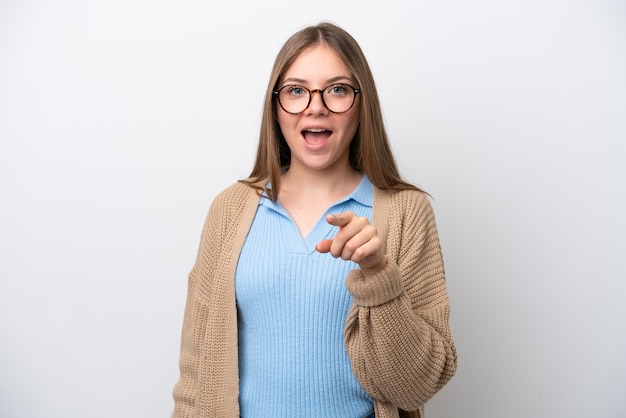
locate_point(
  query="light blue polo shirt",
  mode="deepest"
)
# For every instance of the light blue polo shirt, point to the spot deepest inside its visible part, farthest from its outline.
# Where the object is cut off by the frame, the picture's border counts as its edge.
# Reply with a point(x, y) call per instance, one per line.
point(292, 305)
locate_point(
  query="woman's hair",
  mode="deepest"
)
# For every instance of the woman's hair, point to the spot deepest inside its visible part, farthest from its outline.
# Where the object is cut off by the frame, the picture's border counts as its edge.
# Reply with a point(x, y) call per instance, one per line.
point(370, 151)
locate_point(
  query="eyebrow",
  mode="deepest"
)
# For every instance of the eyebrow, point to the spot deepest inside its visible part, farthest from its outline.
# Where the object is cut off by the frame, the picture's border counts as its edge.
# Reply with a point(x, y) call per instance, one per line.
point(329, 81)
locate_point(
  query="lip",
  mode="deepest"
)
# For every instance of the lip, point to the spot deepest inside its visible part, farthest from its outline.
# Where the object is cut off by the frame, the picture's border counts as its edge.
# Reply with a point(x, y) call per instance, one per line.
point(315, 128)
point(315, 137)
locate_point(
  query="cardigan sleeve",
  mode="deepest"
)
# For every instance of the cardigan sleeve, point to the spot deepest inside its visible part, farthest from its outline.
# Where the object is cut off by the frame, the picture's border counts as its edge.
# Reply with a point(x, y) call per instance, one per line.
point(208, 382)
point(204, 297)
point(397, 331)
point(194, 325)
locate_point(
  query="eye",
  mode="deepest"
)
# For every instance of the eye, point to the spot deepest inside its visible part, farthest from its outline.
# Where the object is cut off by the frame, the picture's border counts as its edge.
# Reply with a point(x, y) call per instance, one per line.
point(296, 90)
point(337, 89)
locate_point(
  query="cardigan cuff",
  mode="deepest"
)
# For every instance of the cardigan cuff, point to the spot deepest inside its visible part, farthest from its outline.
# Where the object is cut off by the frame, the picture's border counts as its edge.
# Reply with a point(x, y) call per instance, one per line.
point(375, 289)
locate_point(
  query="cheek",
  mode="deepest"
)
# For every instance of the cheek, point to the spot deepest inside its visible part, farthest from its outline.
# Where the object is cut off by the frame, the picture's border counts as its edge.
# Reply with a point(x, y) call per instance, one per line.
point(286, 123)
point(353, 124)
point(355, 114)
point(280, 118)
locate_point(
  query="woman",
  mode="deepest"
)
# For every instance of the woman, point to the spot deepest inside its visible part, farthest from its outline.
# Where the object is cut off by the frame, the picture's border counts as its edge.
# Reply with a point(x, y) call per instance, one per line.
point(319, 289)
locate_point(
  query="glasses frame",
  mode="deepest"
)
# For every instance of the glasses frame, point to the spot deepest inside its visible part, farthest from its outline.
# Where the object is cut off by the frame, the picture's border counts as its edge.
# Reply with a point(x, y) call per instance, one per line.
point(356, 91)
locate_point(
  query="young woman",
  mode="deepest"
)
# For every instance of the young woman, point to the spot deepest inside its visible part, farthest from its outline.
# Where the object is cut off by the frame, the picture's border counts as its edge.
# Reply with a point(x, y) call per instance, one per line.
point(318, 289)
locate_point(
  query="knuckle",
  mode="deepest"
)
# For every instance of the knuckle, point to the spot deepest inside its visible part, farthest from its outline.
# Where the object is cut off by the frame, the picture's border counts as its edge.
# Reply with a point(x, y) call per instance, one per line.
point(340, 236)
point(351, 246)
point(359, 254)
point(375, 240)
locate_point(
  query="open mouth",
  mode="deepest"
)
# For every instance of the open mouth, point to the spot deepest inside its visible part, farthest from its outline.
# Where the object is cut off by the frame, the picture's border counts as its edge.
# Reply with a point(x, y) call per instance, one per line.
point(316, 136)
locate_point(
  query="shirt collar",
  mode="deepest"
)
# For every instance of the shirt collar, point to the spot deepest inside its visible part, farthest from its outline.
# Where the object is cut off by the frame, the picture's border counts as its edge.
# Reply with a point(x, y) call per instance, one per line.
point(364, 192)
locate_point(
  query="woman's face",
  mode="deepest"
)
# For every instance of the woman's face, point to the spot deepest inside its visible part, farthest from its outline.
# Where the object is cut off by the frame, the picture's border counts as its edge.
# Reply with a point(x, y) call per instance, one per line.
point(318, 138)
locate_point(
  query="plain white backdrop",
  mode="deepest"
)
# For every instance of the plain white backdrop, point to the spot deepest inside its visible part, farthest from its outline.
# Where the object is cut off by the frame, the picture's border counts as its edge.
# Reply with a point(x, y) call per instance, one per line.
point(121, 120)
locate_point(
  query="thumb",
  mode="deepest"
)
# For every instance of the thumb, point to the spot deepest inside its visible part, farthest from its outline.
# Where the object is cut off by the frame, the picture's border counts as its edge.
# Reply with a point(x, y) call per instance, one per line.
point(324, 245)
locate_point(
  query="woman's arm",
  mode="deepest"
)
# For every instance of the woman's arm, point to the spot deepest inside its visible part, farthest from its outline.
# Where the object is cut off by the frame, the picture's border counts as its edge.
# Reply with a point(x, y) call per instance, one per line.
point(197, 311)
point(397, 331)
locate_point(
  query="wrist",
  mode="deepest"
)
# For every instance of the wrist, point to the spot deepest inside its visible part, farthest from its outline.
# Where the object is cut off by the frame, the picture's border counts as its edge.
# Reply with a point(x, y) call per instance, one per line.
point(376, 289)
point(367, 271)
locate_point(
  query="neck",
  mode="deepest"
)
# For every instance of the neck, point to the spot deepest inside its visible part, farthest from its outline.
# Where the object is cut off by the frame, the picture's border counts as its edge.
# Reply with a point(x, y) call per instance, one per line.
point(323, 183)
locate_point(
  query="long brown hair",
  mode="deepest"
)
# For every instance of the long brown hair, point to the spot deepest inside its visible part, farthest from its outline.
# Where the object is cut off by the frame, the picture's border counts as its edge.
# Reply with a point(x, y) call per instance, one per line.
point(370, 151)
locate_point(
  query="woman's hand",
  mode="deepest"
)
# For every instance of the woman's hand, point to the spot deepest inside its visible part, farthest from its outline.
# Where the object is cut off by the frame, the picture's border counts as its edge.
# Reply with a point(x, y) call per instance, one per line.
point(357, 240)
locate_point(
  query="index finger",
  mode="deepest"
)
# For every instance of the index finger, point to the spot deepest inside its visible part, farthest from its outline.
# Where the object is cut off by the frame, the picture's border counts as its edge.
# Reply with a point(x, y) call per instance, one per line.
point(339, 219)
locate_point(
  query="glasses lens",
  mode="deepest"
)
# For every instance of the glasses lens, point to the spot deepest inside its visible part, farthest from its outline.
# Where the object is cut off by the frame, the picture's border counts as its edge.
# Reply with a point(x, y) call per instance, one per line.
point(339, 98)
point(294, 99)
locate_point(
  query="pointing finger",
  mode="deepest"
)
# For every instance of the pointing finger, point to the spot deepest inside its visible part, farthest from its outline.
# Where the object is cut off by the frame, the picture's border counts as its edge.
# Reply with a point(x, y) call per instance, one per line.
point(339, 219)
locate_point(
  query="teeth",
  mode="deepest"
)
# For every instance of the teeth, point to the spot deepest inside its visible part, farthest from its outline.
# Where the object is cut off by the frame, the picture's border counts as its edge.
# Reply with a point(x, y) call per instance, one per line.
point(316, 130)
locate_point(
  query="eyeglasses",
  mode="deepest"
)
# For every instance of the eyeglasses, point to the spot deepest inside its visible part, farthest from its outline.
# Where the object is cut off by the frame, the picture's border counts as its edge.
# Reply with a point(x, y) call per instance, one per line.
point(338, 98)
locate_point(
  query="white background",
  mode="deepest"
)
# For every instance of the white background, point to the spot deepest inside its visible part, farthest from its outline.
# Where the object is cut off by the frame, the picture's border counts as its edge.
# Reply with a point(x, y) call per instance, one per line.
point(120, 121)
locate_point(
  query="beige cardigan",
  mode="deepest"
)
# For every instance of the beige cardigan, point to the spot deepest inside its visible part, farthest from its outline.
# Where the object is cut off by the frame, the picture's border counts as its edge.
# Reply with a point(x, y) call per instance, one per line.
point(397, 331)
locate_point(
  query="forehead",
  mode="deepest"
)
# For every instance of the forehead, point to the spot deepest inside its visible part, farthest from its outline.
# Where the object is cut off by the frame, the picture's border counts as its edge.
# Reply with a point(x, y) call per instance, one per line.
point(317, 63)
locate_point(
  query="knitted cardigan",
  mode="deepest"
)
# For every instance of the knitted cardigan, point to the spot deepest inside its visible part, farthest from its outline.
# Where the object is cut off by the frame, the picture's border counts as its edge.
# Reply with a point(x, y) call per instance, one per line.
point(397, 331)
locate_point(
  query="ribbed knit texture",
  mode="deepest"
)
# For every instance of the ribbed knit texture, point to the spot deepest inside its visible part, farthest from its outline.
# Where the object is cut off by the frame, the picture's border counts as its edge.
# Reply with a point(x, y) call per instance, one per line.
point(292, 306)
point(399, 344)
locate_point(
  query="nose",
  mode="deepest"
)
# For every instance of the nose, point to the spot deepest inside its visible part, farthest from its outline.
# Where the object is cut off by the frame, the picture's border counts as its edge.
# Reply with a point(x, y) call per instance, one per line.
point(316, 105)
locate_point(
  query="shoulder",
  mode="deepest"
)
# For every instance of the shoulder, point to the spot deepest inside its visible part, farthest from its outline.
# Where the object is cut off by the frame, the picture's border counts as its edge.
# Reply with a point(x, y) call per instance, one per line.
point(235, 194)
point(402, 202)
point(406, 222)
point(232, 202)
